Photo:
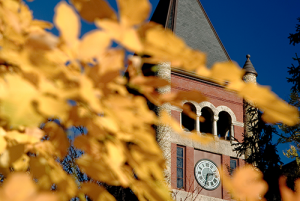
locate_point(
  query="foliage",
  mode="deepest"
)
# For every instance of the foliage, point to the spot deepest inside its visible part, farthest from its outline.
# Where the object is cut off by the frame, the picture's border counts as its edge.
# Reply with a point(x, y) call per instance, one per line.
point(295, 38)
point(291, 133)
point(262, 153)
point(41, 74)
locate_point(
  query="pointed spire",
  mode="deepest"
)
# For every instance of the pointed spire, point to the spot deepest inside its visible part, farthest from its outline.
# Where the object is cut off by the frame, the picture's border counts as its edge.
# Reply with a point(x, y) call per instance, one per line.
point(248, 67)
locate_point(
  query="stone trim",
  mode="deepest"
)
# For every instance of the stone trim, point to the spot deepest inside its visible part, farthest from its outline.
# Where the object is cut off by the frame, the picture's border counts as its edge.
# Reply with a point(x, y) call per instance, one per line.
point(218, 146)
point(236, 123)
point(182, 195)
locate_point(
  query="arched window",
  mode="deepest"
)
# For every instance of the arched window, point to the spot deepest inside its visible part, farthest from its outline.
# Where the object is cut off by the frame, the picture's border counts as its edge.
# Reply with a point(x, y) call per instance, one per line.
point(207, 125)
point(224, 125)
point(188, 123)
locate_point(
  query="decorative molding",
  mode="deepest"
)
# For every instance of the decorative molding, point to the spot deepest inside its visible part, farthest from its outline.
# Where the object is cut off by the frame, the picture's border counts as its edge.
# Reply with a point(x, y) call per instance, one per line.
point(237, 123)
point(228, 110)
point(198, 108)
point(209, 105)
point(172, 107)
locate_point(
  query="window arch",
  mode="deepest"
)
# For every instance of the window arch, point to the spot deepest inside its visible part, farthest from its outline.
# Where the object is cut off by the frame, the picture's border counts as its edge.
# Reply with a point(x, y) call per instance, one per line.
point(188, 122)
point(207, 125)
point(224, 125)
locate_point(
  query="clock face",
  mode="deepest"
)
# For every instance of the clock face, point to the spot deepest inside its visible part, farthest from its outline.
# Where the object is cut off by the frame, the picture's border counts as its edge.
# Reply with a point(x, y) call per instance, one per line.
point(207, 174)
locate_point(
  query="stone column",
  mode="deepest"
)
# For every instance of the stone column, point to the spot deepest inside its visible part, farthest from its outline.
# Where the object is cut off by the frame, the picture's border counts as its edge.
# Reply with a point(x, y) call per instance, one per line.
point(231, 131)
point(215, 129)
point(163, 132)
point(198, 124)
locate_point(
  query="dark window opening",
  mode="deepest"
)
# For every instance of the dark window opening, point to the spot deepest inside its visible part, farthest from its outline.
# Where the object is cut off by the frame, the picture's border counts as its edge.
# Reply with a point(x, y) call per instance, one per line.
point(233, 165)
point(188, 123)
point(224, 125)
point(207, 125)
point(180, 167)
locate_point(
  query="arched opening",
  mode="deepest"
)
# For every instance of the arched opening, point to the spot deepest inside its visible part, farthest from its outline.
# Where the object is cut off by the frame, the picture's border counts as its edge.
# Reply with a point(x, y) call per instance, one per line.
point(207, 125)
point(188, 123)
point(224, 125)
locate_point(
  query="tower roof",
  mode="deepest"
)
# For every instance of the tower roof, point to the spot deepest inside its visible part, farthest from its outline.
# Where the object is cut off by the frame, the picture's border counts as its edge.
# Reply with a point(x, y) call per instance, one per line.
point(188, 20)
point(248, 66)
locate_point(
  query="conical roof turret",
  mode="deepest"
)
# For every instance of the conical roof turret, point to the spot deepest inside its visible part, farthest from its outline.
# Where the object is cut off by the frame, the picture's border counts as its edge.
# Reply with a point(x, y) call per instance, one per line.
point(248, 66)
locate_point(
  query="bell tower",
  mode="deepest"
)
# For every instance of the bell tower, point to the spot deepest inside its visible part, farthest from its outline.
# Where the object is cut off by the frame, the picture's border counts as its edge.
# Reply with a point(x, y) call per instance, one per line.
point(250, 113)
point(191, 168)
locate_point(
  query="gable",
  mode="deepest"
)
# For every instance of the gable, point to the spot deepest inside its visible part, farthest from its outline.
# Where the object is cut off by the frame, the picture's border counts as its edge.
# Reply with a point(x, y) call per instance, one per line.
point(188, 19)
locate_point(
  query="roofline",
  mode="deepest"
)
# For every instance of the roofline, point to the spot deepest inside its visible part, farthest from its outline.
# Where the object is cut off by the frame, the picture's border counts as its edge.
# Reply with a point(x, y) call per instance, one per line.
point(194, 76)
point(213, 29)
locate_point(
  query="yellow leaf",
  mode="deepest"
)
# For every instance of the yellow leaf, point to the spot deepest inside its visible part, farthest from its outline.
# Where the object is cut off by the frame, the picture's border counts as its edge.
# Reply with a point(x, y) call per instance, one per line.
point(24, 138)
point(129, 13)
point(21, 164)
point(199, 138)
point(58, 138)
point(25, 16)
point(17, 102)
point(18, 187)
point(42, 24)
point(41, 40)
point(11, 155)
point(2, 144)
point(90, 10)
point(116, 157)
point(93, 43)
point(286, 193)
point(96, 169)
point(90, 94)
point(38, 167)
point(125, 36)
point(246, 184)
point(184, 95)
point(223, 72)
point(53, 107)
point(150, 81)
point(96, 192)
point(67, 22)
point(275, 109)
point(167, 120)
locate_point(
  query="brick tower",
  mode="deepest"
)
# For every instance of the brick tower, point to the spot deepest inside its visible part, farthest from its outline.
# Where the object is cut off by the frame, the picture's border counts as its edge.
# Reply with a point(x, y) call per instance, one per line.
point(191, 167)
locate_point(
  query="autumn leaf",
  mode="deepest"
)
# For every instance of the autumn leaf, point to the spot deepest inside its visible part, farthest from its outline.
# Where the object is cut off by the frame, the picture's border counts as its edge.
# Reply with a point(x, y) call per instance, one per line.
point(286, 193)
point(275, 110)
point(131, 16)
point(93, 43)
point(96, 192)
point(2, 144)
point(67, 22)
point(58, 137)
point(26, 190)
point(90, 10)
point(17, 97)
point(41, 40)
point(125, 36)
point(246, 183)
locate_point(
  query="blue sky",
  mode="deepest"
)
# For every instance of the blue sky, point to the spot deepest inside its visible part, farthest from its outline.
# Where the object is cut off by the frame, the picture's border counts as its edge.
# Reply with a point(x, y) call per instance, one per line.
point(259, 28)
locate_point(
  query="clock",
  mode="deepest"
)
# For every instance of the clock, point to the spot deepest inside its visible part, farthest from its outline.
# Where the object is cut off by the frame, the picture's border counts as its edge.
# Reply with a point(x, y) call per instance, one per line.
point(207, 174)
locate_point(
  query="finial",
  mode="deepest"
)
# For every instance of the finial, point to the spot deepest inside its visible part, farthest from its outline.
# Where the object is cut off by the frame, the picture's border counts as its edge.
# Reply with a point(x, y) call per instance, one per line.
point(248, 67)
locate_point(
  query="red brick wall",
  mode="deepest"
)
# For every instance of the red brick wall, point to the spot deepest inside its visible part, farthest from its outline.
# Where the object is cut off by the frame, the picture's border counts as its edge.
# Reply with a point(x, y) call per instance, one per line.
point(216, 95)
point(189, 169)
point(173, 166)
point(225, 165)
point(176, 115)
point(241, 162)
point(238, 133)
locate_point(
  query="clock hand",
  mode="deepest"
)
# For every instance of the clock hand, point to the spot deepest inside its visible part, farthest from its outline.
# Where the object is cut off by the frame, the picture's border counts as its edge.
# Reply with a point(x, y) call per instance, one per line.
point(207, 176)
